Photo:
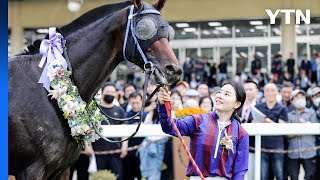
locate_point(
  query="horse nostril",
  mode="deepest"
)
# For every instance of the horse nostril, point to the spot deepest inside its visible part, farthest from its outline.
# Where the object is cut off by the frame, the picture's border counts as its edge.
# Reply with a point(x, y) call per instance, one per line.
point(169, 69)
point(173, 69)
point(179, 71)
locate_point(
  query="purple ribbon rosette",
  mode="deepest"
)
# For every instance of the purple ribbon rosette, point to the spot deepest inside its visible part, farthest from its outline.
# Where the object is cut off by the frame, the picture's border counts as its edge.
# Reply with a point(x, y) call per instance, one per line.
point(51, 49)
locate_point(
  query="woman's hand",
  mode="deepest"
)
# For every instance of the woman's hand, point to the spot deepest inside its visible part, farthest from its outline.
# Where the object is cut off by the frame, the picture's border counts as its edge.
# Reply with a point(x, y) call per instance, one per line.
point(163, 95)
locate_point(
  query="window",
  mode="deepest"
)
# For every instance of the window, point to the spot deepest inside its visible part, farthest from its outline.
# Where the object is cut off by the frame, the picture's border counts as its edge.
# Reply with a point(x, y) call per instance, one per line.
point(302, 49)
point(192, 53)
point(208, 52)
point(216, 29)
point(226, 52)
point(314, 26)
point(251, 28)
point(185, 30)
point(275, 28)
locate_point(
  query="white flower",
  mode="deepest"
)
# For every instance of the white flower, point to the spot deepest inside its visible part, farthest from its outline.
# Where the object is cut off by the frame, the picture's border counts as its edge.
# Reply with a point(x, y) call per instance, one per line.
point(74, 109)
point(58, 92)
point(78, 130)
point(84, 128)
point(97, 97)
point(71, 107)
point(74, 130)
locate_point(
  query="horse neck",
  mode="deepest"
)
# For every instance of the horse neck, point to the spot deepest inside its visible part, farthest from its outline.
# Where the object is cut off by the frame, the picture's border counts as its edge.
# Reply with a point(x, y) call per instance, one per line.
point(95, 51)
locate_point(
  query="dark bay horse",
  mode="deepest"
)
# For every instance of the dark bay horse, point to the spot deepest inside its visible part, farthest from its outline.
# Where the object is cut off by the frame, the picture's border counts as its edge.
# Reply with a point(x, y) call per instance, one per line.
point(40, 144)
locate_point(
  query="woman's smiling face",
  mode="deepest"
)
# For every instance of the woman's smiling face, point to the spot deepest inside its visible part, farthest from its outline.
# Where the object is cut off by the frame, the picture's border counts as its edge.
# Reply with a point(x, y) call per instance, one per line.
point(225, 99)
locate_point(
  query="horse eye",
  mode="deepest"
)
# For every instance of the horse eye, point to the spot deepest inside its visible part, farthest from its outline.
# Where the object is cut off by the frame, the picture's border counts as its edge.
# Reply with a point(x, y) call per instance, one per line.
point(171, 33)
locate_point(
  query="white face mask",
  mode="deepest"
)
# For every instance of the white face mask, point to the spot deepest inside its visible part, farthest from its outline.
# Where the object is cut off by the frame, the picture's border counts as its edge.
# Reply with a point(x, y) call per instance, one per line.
point(316, 102)
point(300, 103)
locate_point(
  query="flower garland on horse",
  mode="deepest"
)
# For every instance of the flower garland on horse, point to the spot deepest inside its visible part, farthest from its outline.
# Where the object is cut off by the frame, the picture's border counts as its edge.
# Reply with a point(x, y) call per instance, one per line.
point(80, 116)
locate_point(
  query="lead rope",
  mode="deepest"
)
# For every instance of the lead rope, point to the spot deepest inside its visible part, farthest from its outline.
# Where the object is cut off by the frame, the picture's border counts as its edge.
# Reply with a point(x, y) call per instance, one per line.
point(148, 74)
point(168, 109)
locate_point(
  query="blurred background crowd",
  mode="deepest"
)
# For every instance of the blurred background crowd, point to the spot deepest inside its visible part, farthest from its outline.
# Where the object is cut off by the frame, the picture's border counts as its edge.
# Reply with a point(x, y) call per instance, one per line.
point(285, 95)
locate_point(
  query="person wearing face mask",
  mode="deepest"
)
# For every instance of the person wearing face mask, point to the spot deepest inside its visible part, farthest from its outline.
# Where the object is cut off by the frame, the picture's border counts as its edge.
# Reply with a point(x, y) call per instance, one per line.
point(218, 143)
point(307, 159)
point(315, 98)
point(111, 162)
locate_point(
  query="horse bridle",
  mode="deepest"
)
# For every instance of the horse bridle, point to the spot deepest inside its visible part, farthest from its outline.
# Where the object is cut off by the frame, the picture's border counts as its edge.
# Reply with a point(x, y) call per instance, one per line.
point(148, 68)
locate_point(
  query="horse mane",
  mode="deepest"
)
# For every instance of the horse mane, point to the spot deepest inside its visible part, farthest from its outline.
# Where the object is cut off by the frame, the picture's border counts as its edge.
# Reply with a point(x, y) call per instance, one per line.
point(92, 16)
point(82, 21)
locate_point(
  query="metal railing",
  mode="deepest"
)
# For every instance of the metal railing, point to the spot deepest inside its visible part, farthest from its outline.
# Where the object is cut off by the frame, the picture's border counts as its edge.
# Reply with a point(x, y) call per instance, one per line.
point(254, 129)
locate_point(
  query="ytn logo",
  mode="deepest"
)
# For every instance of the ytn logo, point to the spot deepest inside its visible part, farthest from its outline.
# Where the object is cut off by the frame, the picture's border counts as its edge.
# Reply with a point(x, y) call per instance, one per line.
point(287, 12)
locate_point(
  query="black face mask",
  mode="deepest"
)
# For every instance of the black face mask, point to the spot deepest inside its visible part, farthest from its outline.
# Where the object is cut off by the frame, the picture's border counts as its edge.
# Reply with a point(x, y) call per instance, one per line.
point(108, 98)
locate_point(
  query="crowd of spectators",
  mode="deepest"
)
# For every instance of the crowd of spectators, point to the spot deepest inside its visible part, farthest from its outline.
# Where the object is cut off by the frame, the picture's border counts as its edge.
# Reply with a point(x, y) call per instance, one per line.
point(286, 95)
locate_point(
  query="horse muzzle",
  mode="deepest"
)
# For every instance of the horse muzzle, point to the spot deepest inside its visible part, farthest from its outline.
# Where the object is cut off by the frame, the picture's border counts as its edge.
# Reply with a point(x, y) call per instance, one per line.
point(169, 75)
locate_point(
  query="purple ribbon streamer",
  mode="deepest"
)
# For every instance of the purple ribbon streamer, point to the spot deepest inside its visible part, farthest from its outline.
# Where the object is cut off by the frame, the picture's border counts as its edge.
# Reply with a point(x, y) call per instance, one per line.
point(51, 49)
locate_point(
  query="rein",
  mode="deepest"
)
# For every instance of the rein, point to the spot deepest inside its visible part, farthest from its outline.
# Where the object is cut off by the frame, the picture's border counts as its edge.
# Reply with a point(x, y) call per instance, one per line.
point(130, 25)
point(56, 45)
point(132, 117)
point(148, 74)
point(148, 67)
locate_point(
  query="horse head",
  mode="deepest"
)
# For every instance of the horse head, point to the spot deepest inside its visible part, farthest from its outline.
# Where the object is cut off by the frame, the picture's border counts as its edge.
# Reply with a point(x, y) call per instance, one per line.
point(153, 35)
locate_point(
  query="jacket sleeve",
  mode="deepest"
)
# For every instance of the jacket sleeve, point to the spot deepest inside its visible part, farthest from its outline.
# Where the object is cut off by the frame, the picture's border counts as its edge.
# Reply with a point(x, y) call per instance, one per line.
point(185, 125)
point(242, 159)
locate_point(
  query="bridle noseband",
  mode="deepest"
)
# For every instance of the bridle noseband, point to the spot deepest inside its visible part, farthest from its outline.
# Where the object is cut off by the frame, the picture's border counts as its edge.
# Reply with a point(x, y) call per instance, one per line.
point(148, 68)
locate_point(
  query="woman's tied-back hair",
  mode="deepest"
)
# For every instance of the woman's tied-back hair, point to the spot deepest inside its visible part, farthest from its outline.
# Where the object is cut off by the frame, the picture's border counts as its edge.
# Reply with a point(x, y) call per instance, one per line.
point(240, 96)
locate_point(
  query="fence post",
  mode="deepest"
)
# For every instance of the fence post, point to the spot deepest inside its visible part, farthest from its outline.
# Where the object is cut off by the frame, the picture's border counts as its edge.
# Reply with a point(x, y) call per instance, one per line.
point(257, 156)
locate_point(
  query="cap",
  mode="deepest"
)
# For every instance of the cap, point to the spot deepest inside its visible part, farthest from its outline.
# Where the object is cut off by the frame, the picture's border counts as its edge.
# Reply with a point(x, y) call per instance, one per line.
point(185, 84)
point(192, 92)
point(315, 91)
point(296, 92)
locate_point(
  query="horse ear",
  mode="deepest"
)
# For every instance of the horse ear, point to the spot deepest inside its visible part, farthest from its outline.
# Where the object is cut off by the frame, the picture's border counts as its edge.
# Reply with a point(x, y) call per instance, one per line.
point(159, 5)
point(137, 3)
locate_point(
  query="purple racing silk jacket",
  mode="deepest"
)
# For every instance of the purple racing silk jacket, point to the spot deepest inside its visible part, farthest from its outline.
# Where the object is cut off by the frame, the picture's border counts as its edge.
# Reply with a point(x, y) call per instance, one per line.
point(205, 136)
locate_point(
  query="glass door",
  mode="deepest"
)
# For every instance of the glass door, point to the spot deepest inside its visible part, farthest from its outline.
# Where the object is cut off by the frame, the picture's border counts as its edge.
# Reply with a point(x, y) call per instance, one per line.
point(226, 53)
point(192, 53)
point(261, 52)
point(242, 55)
